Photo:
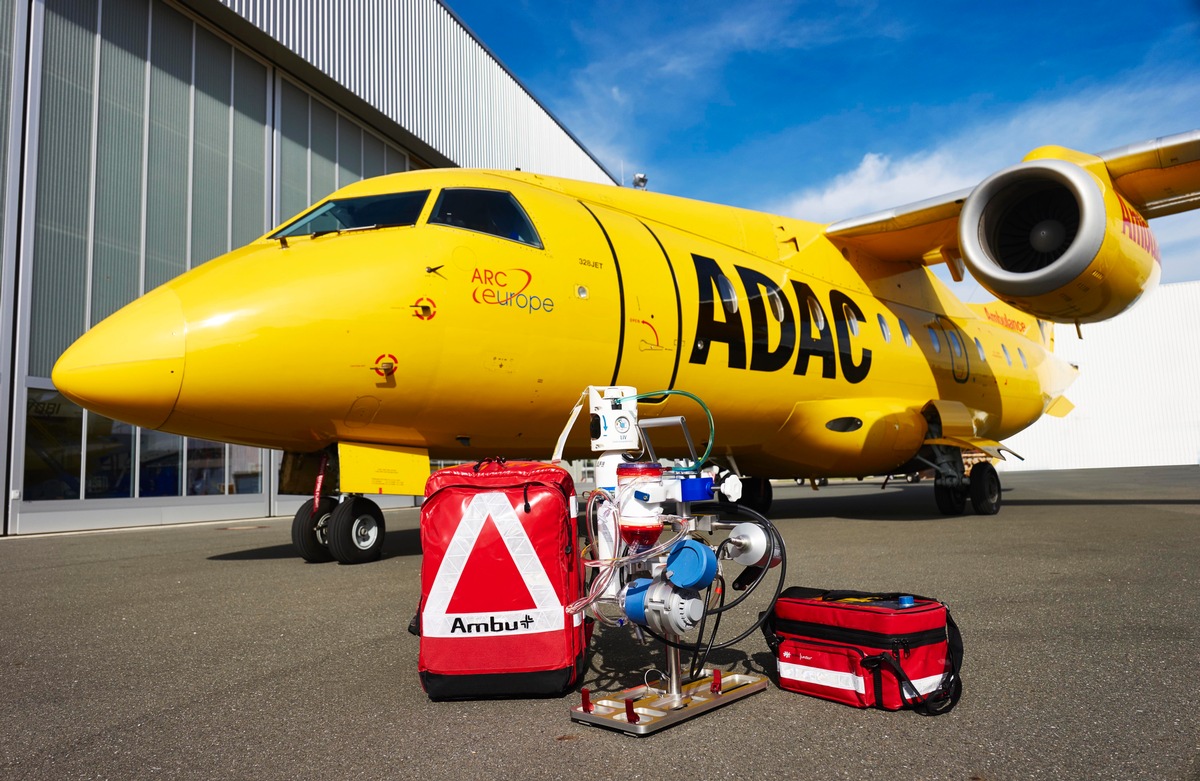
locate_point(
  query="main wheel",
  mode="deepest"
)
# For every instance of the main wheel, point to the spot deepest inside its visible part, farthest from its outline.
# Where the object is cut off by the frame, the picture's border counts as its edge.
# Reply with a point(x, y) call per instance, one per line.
point(950, 500)
point(310, 530)
point(356, 531)
point(985, 489)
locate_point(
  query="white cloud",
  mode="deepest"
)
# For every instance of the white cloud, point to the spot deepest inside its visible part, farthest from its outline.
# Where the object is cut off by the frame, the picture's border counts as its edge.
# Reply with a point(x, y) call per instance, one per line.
point(1141, 107)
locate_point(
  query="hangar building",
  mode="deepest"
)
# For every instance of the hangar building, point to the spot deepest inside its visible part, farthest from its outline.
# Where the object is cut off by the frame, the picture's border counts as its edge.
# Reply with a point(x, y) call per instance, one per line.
point(140, 138)
point(1135, 398)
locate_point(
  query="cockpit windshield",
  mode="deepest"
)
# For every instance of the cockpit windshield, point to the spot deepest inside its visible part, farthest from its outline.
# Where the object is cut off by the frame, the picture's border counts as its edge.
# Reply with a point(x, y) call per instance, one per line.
point(363, 213)
point(495, 212)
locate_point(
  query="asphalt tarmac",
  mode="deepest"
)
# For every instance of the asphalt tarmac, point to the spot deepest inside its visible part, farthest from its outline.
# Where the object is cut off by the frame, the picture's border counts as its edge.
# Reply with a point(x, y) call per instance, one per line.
point(212, 652)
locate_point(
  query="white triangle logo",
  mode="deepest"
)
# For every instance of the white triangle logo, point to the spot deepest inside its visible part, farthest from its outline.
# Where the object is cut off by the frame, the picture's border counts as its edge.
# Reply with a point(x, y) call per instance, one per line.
point(548, 613)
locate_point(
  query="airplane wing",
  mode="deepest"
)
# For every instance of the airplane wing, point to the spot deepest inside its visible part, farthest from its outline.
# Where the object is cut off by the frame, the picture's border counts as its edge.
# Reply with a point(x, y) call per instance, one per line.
point(1158, 177)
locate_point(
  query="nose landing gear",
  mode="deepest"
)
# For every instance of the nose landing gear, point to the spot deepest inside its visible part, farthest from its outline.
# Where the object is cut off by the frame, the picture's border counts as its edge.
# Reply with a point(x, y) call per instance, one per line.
point(350, 531)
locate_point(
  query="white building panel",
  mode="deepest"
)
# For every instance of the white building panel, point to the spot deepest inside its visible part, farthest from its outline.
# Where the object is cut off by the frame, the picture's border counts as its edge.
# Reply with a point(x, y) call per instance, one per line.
point(1136, 396)
point(414, 61)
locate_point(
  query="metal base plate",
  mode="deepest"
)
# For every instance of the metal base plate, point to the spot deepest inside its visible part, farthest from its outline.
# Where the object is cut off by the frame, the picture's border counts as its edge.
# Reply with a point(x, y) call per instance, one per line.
point(656, 709)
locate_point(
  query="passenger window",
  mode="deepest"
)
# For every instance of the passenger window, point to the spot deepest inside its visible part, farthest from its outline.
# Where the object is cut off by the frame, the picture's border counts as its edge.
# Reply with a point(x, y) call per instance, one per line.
point(955, 344)
point(818, 314)
point(851, 319)
point(776, 304)
point(933, 337)
point(883, 328)
point(904, 332)
point(369, 211)
point(1007, 357)
point(1021, 353)
point(979, 347)
point(728, 294)
point(494, 212)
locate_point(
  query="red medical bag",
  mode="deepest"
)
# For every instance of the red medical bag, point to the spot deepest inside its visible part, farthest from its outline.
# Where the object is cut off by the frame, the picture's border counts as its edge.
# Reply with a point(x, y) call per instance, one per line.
point(889, 651)
point(501, 563)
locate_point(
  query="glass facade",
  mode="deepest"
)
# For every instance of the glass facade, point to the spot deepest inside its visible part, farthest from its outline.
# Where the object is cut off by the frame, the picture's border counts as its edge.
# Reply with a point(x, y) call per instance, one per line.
point(156, 144)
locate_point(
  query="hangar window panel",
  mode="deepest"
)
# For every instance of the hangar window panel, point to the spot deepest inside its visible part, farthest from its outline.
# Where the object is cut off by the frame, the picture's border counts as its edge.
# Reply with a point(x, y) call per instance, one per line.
point(160, 464)
point(248, 209)
point(167, 152)
point(349, 154)
point(210, 152)
point(933, 339)
point(60, 229)
point(116, 265)
point(108, 459)
point(906, 334)
point(883, 329)
point(293, 150)
point(245, 469)
point(397, 162)
point(323, 157)
point(7, 13)
point(374, 156)
point(369, 211)
point(494, 212)
point(205, 467)
point(53, 433)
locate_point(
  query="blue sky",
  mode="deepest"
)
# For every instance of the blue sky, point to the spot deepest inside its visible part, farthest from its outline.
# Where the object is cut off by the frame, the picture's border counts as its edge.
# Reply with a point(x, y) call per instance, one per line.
point(825, 110)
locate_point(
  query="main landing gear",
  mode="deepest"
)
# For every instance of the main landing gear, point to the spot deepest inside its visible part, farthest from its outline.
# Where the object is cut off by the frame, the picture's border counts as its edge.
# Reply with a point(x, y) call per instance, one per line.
point(350, 531)
point(952, 486)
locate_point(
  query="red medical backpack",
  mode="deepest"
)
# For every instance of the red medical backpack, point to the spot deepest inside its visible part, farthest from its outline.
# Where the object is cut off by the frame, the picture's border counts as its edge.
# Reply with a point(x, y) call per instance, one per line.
point(501, 563)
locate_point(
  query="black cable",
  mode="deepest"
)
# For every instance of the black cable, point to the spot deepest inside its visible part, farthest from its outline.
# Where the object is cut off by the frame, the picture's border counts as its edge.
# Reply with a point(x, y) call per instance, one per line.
point(696, 668)
point(775, 536)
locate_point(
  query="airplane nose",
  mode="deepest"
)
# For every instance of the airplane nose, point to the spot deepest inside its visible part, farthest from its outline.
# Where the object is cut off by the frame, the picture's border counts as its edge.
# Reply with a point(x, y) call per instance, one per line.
point(129, 366)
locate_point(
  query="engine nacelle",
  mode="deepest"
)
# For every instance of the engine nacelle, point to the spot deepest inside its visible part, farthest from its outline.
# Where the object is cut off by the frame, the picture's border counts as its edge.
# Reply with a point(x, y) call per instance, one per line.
point(1054, 239)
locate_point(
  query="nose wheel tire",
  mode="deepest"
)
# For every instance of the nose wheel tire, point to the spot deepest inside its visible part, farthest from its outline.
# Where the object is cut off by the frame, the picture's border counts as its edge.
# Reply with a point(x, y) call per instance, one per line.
point(310, 530)
point(356, 531)
point(985, 489)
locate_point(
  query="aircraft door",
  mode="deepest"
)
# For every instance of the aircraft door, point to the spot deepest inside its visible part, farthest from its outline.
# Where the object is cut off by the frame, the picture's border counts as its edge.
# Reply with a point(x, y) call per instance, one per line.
point(648, 358)
point(956, 344)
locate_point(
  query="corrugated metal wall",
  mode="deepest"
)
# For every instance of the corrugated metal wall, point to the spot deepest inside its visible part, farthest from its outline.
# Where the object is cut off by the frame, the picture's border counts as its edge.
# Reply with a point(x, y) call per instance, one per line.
point(416, 63)
point(1135, 399)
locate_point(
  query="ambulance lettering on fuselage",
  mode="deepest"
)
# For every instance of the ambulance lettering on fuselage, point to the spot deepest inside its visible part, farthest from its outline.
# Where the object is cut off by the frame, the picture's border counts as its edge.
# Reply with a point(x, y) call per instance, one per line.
point(812, 337)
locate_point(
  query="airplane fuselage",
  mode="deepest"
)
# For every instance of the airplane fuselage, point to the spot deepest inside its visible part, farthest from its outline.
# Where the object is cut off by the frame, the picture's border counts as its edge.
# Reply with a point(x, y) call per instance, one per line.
point(815, 359)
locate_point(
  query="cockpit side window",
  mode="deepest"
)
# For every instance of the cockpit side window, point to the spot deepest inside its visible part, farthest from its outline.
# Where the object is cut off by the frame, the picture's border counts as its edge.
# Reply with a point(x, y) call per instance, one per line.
point(369, 211)
point(494, 212)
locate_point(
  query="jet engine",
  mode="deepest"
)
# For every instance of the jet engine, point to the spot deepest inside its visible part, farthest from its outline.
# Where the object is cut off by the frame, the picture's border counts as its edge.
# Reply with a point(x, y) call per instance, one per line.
point(1054, 239)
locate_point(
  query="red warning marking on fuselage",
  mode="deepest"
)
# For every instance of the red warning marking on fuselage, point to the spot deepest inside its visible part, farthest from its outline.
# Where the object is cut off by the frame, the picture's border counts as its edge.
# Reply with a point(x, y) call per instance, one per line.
point(424, 309)
point(385, 365)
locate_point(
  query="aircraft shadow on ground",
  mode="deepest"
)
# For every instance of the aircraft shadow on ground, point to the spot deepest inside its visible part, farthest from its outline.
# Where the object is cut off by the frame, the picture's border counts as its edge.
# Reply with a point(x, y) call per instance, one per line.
point(401, 542)
point(894, 503)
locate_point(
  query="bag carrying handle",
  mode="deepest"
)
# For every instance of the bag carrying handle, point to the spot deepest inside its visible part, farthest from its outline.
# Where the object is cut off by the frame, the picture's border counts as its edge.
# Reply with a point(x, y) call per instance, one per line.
point(497, 460)
point(949, 691)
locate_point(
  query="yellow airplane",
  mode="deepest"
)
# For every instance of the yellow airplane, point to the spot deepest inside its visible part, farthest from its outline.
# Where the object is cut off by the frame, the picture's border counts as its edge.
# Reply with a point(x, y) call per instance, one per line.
point(457, 314)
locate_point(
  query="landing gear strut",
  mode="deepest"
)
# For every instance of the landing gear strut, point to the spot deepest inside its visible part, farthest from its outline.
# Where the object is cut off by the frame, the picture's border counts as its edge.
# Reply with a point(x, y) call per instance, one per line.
point(949, 483)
